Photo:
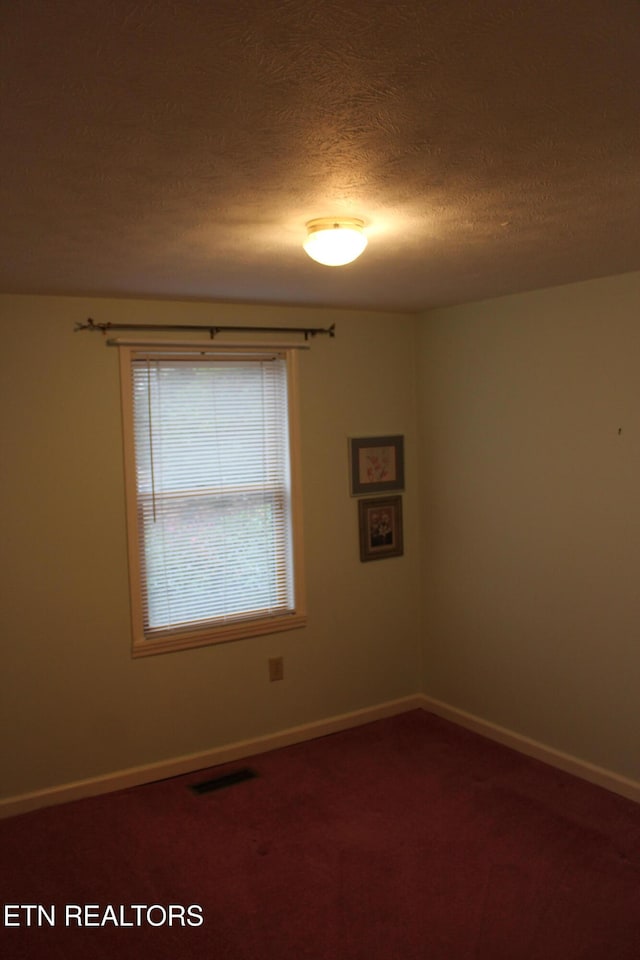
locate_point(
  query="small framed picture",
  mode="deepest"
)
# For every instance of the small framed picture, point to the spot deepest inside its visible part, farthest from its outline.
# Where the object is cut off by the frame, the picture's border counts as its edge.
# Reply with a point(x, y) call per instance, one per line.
point(380, 528)
point(377, 464)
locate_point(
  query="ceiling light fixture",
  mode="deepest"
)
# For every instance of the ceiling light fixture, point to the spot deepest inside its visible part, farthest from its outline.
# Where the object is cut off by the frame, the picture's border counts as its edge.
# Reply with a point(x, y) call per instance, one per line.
point(334, 241)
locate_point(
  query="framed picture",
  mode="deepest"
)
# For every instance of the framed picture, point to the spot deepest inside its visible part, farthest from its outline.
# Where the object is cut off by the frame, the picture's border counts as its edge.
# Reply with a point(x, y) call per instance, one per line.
point(377, 464)
point(380, 528)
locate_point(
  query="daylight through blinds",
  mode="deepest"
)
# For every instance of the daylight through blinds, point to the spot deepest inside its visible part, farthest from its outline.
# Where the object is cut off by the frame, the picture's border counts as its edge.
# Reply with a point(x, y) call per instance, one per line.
point(213, 490)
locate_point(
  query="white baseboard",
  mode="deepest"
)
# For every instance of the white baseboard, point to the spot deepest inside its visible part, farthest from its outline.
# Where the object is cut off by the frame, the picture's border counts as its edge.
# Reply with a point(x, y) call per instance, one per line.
point(532, 748)
point(135, 776)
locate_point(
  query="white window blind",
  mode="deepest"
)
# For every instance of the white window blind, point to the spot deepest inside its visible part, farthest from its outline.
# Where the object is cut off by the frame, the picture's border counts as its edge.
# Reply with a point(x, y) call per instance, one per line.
point(212, 490)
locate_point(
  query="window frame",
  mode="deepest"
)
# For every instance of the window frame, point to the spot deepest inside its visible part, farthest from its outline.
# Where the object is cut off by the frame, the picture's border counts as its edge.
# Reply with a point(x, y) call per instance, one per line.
point(184, 638)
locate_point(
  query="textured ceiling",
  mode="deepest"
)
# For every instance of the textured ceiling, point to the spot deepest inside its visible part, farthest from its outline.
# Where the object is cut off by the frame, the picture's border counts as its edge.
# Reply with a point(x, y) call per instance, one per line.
point(175, 148)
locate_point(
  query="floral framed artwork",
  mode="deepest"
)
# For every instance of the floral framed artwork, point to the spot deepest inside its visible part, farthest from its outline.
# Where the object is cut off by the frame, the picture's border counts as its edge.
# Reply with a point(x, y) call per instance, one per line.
point(380, 528)
point(377, 464)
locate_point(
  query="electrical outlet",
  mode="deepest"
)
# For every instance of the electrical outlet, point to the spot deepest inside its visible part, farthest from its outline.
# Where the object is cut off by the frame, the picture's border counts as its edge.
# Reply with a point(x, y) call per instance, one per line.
point(276, 668)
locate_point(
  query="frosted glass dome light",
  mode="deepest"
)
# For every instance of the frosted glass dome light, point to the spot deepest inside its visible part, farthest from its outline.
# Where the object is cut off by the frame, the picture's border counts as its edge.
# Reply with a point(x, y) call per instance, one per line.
point(333, 241)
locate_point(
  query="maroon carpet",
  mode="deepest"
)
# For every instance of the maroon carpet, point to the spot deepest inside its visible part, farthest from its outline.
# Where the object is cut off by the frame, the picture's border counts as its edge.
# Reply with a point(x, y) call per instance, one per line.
point(407, 838)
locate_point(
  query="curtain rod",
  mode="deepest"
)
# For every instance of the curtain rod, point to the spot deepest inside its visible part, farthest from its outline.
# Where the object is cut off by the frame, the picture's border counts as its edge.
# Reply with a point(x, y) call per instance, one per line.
point(211, 328)
point(209, 346)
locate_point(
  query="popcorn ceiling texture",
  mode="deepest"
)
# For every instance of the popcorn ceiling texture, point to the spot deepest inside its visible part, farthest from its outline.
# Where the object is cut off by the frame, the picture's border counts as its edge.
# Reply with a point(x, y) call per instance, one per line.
point(176, 149)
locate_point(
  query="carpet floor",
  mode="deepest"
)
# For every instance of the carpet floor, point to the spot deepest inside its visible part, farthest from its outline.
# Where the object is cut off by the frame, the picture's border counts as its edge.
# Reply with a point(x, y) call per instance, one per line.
point(405, 839)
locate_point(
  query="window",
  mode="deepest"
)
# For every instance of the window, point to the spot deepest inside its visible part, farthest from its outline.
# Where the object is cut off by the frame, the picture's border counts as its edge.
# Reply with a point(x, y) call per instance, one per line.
point(213, 505)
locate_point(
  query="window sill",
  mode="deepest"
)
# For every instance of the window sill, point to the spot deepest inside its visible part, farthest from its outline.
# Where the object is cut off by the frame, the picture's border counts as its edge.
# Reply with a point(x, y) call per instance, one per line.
point(187, 640)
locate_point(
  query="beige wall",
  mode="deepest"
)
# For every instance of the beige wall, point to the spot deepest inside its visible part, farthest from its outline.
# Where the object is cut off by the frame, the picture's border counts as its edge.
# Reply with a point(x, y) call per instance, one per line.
point(74, 704)
point(530, 466)
point(521, 584)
